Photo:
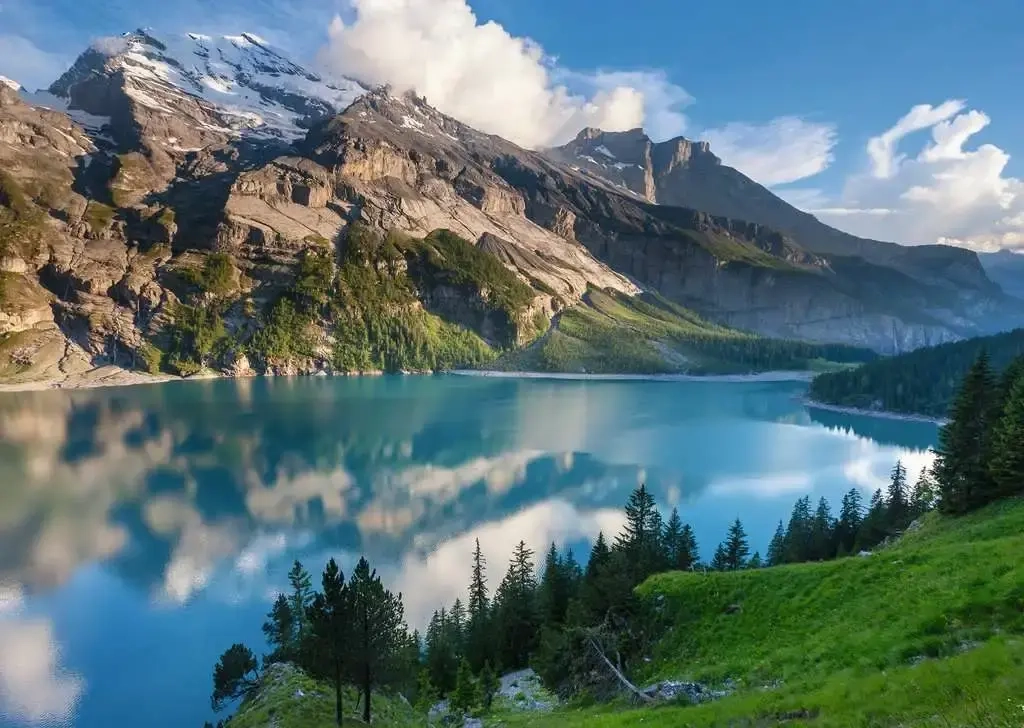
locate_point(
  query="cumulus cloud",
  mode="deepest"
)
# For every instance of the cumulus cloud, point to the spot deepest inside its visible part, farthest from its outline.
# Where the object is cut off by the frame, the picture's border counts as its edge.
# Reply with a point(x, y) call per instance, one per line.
point(945, 192)
point(882, 148)
point(488, 78)
point(784, 150)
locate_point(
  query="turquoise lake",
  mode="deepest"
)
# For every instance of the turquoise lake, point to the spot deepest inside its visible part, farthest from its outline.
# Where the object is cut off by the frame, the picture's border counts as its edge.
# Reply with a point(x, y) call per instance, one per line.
point(145, 529)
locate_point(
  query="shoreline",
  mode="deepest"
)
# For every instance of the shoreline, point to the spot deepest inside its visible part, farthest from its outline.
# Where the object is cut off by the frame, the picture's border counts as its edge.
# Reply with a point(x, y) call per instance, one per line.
point(112, 376)
point(775, 376)
point(99, 378)
point(884, 414)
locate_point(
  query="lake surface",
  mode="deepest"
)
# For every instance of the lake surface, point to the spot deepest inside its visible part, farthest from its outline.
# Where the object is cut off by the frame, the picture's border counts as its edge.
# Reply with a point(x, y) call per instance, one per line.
point(145, 529)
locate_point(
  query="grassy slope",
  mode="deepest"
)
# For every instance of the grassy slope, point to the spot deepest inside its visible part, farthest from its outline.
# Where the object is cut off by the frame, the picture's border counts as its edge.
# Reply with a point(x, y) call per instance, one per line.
point(612, 332)
point(928, 632)
point(923, 381)
point(291, 699)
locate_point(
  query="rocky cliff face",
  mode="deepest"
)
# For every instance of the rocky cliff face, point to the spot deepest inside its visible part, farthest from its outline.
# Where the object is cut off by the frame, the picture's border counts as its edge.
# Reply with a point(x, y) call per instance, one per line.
point(686, 173)
point(192, 202)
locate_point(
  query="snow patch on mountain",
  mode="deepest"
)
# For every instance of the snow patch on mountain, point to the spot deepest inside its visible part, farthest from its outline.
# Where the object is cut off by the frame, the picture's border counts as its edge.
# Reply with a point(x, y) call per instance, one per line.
point(252, 88)
point(10, 83)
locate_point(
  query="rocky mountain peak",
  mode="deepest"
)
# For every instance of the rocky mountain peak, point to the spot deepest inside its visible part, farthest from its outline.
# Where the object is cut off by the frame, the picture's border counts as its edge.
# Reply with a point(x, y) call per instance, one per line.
point(227, 86)
point(681, 151)
point(9, 83)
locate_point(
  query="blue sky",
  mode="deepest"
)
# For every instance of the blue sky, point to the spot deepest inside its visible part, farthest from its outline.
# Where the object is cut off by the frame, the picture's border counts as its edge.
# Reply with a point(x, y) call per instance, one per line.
point(792, 93)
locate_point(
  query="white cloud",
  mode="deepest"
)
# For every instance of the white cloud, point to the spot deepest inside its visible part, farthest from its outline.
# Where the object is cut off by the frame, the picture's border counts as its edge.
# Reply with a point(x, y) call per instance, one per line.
point(945, 192)
point(784, 150)
point(882, 148)
point(488, 78)
point(23, 61)
point(33, 688)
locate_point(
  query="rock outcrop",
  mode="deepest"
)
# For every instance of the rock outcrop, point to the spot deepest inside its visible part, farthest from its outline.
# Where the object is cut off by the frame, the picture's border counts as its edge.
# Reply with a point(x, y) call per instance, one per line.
point(199, 194)
point(687, 173)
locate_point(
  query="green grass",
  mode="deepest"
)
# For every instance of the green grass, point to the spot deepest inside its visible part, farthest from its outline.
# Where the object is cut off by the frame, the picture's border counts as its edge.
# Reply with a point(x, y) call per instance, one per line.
point(611, 332)
point(981, 688)
point(98, 216)
point(21, 222)
point(291, 699)
point(927, 632)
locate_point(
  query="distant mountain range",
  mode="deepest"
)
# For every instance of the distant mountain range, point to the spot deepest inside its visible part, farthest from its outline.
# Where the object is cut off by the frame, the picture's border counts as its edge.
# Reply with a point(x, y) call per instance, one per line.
point(1007, 269)
point(170, 198)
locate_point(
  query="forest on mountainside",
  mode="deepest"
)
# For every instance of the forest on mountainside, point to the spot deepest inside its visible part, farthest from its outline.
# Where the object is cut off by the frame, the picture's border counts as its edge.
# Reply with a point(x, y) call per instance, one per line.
point(923, 381)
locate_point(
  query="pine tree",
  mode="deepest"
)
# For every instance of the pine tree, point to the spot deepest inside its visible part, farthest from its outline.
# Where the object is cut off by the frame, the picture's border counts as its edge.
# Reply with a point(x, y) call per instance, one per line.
point(1007, 466)
point(720, 561)
point(1008, 379)
point(426, 693)
point(822, 533)
point(656, 550)
point(897, 506)
point(555, 589)
point(777, 547)
point(671, 539)
point(457, 621)
point(755, 561)
point(573, 573)
point(489, 685)
point(464, 697)
point(378, 631)
point(873, 527)
point(799, 540)
point(330, 624)
point(516, 611)
point(640, 538)
point(848, 525)
point(441, 660)
point(478, 583)
point(300, 600)
point(924, 496)
point(737, 548)
point(595, 597)
point(679, 547)
point(280, 630)
point(478, 639)
point(236, 675)
point(688, 554)
point(961, 466)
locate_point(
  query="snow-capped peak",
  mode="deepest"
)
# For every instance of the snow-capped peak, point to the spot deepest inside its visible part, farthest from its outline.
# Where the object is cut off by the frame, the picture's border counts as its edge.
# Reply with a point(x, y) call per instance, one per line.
point(10, 83)
point(247, 86)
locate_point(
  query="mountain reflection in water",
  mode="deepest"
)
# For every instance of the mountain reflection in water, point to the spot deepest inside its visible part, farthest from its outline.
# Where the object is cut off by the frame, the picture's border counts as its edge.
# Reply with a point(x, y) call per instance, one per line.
point(159, 520)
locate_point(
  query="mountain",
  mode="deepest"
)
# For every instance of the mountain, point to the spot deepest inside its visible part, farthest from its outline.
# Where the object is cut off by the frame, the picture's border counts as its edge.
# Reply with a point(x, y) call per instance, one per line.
point(686, 173)
point(207, 88)
point(186, 202)
point(921, 382)
point(1007, 269)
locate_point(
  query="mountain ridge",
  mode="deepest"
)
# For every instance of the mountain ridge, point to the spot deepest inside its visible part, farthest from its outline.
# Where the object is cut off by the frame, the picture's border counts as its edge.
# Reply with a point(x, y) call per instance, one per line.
point(687, 173)
point(157, 221)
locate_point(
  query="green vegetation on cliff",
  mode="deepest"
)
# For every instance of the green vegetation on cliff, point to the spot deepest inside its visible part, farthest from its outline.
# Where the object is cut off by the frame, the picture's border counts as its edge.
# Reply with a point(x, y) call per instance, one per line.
point(611, 332)
point(381, 323)
point(919, 382)
point(20, 221)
